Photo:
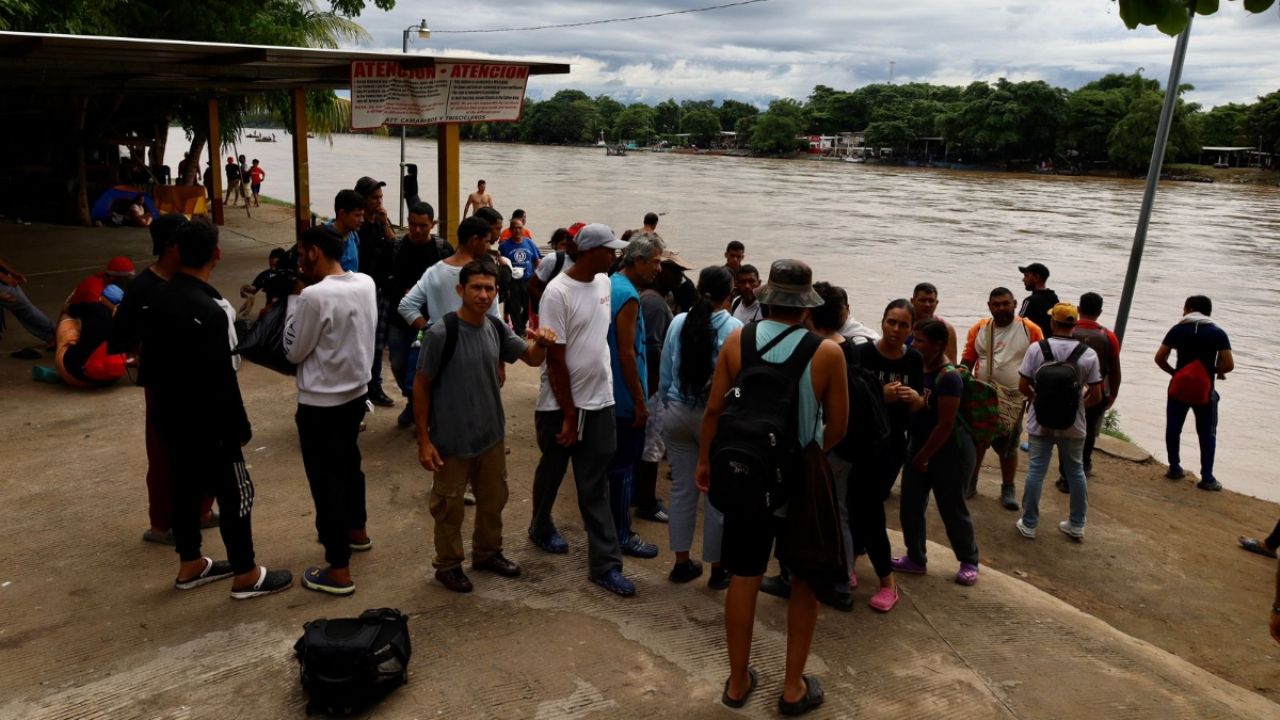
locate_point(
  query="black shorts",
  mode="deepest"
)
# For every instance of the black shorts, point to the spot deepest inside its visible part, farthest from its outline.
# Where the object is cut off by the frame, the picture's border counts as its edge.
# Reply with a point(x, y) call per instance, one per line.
point(747, 541)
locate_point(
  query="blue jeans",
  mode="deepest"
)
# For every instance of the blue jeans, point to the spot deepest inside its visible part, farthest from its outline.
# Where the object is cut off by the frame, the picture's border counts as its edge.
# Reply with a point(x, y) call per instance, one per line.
point(399, 343)
point(379, 342)
point(1206, 430)
point(15, 301)
point(1071, 451)
point(621, 473)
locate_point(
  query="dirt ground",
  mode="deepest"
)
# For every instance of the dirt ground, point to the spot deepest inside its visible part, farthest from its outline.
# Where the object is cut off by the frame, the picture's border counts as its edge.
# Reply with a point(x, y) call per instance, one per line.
point(1156, 614)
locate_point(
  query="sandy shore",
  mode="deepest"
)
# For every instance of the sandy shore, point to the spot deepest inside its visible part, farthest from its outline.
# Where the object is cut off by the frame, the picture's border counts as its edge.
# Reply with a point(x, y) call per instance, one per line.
point(1158, 614)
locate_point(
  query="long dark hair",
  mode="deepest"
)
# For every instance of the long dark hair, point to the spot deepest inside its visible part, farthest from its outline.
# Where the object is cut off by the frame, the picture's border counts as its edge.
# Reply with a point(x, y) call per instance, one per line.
point(697, 337)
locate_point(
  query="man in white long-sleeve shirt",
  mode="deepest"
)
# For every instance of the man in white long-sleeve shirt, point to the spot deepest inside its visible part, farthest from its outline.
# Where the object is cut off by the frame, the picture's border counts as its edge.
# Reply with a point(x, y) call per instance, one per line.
point(329, 334)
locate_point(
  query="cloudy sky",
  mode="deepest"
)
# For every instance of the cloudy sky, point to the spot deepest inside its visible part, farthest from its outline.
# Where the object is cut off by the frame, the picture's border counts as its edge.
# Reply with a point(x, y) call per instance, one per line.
point(779, 48)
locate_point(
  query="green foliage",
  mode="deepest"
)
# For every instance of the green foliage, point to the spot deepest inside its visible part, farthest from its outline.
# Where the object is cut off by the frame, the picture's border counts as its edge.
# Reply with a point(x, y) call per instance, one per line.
point(634, 123)
point(731, 111)
point(1171, 16)
point(703, 126)
point(1091, 114)
point(1130, 142)
point(1225, 125)
point(1111, 426)
point(667, 116)
point(1263, 122)
point(774, 132)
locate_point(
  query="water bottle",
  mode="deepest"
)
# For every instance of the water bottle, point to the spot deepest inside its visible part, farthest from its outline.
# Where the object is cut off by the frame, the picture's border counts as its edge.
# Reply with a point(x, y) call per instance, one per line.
point(414, 351)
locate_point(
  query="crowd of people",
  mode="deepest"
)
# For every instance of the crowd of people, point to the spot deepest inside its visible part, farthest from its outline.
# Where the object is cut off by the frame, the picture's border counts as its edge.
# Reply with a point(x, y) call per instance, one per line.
point(760, 396)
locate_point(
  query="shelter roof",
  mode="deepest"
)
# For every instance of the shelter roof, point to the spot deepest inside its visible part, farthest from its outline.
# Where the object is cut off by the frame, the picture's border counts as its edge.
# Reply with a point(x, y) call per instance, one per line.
point(1227, 149)
point(60, 64)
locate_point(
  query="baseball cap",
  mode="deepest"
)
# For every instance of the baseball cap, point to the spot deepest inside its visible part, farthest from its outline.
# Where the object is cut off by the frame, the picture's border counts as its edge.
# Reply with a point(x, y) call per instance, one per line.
point(597, 235)
point(113, 294)
point(575, 228)
point(88, 291)
point(671, 256)
point(366, 185)
point(120, 266)
point(1037, 268)
point(1065, 313)
point(790, 285)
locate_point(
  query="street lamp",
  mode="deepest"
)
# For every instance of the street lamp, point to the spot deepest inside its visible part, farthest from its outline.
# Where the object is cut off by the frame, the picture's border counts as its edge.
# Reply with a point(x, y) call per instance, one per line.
point(424, 33)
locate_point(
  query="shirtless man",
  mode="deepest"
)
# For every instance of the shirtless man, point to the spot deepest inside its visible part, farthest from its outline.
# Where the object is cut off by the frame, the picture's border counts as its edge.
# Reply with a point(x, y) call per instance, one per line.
point(477, 199)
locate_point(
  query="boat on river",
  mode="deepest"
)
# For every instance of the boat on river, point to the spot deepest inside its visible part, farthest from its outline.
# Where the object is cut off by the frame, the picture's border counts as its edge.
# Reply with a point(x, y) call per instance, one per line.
point(619, 150)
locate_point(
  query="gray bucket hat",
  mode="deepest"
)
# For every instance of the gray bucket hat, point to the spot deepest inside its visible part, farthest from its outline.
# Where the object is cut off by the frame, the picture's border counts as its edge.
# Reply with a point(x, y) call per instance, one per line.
point(790, 285)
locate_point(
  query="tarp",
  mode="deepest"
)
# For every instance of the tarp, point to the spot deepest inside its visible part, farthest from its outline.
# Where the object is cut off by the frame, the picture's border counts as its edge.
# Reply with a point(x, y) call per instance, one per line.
point(189, 200)
point(102, 206)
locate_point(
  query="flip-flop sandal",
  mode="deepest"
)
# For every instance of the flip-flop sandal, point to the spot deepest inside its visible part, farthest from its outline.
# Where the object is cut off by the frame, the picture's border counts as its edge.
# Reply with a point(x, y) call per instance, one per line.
point(740, 702)
point(1255, 545)
point(214, 570)
point(813, 697)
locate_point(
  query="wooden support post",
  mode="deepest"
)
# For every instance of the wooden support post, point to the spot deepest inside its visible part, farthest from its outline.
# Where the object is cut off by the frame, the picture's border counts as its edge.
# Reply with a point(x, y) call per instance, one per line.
point(301, 166)
point(449, 207)
point(215, 158)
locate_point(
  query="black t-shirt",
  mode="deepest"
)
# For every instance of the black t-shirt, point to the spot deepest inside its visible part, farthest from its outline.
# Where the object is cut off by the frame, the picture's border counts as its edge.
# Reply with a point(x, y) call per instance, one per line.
point(908, 370)
point(233, 172)
point(126, 326)
point(1197, 341)
point(1036, 308)
point(375, 252)
point(410, 261)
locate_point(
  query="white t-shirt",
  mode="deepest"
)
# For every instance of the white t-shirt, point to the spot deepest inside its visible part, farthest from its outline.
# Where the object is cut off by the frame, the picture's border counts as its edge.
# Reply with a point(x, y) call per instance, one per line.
point(1011, 344)
point(1086, 366)
point(747, 314)
point(547, 265)
point(578, 312)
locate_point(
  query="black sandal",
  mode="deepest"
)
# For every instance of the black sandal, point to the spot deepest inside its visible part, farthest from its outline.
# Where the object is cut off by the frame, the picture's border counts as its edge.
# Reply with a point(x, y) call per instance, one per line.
point(1255, 545)
point(730, 702)
point(813, 697)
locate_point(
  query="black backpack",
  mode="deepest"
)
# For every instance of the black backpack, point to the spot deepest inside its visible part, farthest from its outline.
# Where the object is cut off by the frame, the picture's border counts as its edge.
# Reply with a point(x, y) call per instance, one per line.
point(348, 664)
point(869, 427)
point(1058, 391)
point(756, 452)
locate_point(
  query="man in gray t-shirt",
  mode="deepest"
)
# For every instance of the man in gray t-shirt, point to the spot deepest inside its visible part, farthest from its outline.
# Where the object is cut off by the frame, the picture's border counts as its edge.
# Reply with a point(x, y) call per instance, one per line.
point(458, 379)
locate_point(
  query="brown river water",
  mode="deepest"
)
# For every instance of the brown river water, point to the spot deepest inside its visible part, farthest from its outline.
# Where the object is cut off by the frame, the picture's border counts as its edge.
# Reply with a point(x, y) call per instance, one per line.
point(877, 231)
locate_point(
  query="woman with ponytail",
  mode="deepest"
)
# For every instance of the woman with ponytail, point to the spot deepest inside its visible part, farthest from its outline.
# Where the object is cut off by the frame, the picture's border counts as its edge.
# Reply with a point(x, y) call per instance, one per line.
point(688, 362)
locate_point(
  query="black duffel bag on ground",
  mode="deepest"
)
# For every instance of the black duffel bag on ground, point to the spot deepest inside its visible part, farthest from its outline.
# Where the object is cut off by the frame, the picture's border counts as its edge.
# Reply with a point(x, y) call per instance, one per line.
point(348, 664)
point(264, 343)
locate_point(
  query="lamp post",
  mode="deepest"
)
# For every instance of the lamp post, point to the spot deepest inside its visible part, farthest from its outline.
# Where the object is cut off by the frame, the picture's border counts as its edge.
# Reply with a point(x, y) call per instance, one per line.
point(423, 33)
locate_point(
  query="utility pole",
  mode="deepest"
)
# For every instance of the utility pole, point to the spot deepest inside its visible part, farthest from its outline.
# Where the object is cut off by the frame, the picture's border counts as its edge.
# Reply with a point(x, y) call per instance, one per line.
point(891, 64)
point(1153, 176)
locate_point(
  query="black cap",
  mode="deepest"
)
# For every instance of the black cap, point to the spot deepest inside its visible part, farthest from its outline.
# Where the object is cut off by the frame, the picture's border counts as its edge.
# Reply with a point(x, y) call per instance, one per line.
point(1037, 268)
point(366, 185)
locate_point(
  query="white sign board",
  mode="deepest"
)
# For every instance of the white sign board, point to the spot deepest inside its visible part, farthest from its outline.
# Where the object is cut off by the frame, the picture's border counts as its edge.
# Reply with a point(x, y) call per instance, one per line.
point(384, 93)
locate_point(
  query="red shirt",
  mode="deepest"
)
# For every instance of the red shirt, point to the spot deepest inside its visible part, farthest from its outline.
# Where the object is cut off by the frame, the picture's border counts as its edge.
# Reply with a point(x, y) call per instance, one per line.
point(256, 173)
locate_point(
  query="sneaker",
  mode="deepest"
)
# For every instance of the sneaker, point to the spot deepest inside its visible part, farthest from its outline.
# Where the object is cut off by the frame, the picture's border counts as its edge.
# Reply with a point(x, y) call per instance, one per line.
point(636, 547)
point(317, 578)
point(360, 545)
point(719, 579)
point(1175, 473)
point(553, 542)
point(468, 499)
point(1025, 447)
point(614, 582)
point(1076, 533)
point(1008, 498)
point(837, 599)
point(774, 585)
point(1063, 486)
point(25, 354)
point(268, 583)
point(884, 599)
point(968, 574)
point(380, 398)
point(656, 513)
point(214, 570)
point(1027, 532)
point(454, 579)
point(906, 565)
point(683, 572)
point(1209, 484)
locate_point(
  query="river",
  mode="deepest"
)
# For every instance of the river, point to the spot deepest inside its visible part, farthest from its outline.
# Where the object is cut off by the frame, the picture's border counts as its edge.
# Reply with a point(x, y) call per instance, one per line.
point(877, 231)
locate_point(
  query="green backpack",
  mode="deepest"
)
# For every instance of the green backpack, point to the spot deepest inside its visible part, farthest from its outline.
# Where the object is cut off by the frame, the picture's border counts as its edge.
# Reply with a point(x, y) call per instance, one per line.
point(979, 411)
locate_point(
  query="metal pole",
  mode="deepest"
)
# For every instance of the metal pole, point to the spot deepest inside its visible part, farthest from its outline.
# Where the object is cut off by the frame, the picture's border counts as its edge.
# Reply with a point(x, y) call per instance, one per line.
point(1153, 177)
point(400, 201)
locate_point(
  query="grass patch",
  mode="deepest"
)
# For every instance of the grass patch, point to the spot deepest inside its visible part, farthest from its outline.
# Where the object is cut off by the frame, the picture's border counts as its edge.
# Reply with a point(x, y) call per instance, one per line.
point(272, 201)
point(1111, 426)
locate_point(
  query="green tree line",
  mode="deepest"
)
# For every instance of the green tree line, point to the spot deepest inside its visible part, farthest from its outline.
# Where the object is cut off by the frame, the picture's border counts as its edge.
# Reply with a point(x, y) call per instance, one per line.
point(1110, 120)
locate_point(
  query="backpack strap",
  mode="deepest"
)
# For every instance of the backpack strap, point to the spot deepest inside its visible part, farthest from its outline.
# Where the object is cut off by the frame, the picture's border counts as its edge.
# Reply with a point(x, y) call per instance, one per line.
point(450, 321)
point(560, 254)
point(1075, 354)
point(733, 308)
point(1046, 350)
point(776, 340)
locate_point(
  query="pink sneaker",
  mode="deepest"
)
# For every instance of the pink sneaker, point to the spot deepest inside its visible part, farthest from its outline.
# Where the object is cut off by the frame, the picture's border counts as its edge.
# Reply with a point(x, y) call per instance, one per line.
point(884, 600)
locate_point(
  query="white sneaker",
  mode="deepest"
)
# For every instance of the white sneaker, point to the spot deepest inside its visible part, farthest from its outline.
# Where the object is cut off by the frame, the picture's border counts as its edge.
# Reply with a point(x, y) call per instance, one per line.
point(1073, 532)
point(1027, 532)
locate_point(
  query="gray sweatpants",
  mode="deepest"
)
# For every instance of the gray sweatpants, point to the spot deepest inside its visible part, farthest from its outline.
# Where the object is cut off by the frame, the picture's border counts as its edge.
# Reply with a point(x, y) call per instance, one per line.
point(590, 456)
point(682, 426)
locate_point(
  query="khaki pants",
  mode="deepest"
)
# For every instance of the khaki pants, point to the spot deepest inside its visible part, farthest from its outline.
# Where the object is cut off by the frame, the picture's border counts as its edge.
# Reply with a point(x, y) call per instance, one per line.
point(487, 473)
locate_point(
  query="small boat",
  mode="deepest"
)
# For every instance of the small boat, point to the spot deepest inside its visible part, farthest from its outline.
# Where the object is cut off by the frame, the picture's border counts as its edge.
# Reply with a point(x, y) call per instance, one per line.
point(618, 150)
point(265, 138)
point(854, 159)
